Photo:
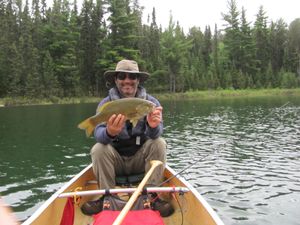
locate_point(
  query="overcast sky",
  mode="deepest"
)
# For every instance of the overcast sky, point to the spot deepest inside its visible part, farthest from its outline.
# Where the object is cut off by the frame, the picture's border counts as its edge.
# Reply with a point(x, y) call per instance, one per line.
point(208, 12)
point(200, 13)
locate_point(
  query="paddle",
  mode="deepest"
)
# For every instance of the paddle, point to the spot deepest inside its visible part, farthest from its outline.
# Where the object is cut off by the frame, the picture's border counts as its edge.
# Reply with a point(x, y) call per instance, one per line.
point(129, 204)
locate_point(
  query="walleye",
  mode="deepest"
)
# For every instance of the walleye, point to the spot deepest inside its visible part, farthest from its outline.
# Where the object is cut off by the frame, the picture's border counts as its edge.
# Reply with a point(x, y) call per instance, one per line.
point(132, 108)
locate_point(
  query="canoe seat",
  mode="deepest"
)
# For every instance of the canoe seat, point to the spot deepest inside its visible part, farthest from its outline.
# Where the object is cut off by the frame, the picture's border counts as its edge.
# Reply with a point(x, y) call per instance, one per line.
point(123, 180)
point(130, 179)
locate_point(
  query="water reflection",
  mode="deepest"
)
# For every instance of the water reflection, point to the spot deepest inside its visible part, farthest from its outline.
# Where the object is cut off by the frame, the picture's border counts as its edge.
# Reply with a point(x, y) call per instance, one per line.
point(245, 154)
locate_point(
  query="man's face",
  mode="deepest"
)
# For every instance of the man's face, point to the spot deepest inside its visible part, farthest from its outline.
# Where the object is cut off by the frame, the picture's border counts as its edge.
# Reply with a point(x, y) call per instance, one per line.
point(127, 84)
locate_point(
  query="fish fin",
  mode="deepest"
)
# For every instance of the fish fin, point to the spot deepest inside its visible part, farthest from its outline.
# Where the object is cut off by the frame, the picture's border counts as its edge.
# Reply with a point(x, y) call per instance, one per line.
point(101, 108)
point(88, 126)
point(134, 122)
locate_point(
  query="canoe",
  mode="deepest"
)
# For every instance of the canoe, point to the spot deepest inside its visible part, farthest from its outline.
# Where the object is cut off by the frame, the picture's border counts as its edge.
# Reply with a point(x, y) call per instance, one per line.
point(193, 209)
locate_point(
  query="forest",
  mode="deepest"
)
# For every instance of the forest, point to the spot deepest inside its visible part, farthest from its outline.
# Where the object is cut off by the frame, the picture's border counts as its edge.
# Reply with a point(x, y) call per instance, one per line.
point(61, 51)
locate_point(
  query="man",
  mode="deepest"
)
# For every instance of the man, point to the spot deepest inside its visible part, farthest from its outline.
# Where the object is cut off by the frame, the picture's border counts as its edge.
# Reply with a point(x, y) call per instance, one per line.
point(122, 149)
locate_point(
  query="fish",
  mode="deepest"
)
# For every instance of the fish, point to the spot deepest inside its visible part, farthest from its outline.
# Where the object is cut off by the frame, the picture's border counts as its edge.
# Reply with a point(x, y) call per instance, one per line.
point(132, 108)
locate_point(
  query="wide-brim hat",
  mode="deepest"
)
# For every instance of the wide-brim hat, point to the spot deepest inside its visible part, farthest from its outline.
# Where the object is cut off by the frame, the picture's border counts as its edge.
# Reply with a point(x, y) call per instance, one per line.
point(127, 66)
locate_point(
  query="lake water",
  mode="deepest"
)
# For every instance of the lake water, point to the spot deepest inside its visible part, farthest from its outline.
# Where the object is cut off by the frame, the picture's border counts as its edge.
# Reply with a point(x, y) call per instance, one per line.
point(242, 155)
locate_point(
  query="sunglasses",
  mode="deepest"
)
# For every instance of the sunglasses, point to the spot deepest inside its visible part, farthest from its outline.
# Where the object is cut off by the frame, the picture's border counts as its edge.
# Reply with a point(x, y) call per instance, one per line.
point(131, 76)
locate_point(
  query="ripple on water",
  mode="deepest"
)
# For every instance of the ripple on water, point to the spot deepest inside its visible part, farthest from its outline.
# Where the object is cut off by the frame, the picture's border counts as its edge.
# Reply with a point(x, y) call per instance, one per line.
point(244, 158)
point(243, 168)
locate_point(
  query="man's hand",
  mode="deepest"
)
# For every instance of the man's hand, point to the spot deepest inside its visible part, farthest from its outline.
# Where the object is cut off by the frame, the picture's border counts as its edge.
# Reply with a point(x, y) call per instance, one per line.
point(154, 118)
point(115, 124)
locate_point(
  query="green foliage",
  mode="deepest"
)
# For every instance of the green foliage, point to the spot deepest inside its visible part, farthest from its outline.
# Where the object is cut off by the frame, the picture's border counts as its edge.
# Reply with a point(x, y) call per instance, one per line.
point(288, 80)
point(59, 52)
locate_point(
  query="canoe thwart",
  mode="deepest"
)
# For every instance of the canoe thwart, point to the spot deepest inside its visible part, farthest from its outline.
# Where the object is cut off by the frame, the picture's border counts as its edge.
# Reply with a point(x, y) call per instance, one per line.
point(123, 190)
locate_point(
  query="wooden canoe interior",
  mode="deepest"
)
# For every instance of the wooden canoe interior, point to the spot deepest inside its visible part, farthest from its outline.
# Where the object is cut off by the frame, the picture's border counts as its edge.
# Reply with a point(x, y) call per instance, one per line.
point(193, 210)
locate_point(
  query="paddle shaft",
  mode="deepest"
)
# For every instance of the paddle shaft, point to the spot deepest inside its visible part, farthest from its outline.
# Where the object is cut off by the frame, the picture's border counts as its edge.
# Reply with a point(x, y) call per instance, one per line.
point(129, 204)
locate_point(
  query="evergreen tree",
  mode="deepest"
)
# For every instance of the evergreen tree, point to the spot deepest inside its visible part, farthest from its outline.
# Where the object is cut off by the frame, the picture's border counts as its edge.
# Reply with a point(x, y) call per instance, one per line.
point(9, 19)
point(154, 46)
point(60, 51)
point(215, 66)
point(278, 37)
point(151, 55)
point(174, 50)
point(232, 35)
point(135, 14)
point(92, 34)
point(247, 51)
point(99, 32)
point(51, 85)
point(29, 78)
point(261, 37)
point(293, 49)
point(86, 48)
point(59, 37)
point(196, 63)
point(207, 47)
point(3, 50)
point(15, 62)
point(122, 31)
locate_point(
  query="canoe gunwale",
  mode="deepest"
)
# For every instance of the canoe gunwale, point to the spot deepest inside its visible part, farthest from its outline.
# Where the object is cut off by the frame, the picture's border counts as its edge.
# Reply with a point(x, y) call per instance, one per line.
point(205, 204)
point(41, 209)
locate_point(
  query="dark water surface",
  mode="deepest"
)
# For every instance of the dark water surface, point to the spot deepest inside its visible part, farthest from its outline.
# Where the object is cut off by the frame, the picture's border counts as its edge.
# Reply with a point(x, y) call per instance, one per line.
point(242, 155)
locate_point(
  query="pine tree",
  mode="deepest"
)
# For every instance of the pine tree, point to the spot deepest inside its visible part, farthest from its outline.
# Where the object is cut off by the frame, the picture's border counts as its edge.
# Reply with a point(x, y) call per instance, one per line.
point(60, 38)
point(207, 47)
point(91, 45)
point(261, 37)
point(154, 46)
point(215, 66)
point(247, 51)
point(197, 75)
point(293, 49)
point(9, 36)
point(232, 35)
point(278, 37)
point(51, 85)
point(122, 31)
point(174, 50)
point(29, 78)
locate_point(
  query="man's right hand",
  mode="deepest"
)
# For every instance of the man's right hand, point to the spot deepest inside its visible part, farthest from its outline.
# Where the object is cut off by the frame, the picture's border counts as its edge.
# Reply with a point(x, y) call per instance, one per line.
point(115, 124)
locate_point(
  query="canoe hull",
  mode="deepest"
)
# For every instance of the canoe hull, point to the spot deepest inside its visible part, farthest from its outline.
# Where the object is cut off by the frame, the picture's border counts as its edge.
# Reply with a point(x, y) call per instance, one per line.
point(194, 208)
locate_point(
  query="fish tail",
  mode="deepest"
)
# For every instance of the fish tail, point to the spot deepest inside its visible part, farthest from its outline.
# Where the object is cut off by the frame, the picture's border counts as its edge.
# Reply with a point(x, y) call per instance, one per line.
point(88, 126)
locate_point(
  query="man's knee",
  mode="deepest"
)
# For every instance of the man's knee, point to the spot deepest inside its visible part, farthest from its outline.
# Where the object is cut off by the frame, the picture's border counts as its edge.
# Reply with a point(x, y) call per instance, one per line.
point(156, 148)
point(159, 144)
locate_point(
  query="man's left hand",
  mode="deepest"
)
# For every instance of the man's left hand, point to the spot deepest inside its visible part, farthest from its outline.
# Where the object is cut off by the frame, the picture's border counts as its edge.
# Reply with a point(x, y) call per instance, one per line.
point(154, 118)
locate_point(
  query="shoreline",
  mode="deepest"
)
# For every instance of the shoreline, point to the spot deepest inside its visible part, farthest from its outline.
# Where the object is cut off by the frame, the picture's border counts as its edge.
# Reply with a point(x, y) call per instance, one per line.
point(207, 94)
